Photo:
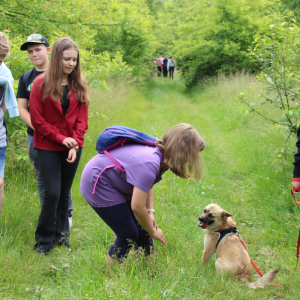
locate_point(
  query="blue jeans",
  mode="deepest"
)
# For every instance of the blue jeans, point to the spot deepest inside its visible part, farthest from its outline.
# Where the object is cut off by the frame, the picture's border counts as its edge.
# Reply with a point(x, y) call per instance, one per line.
point(34, 159)
point(120, 218)
point(2, 160)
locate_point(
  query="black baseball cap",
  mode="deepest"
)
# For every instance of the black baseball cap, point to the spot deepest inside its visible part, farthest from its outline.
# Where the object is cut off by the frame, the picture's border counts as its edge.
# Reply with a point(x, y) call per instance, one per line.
point(35, 39)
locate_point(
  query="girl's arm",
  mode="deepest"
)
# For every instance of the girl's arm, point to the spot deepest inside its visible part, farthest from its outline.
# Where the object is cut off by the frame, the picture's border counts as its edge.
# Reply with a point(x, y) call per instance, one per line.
point(149, 204)
point(23, 112)
point(81, 125)
point(36, 114)
point(138, 205)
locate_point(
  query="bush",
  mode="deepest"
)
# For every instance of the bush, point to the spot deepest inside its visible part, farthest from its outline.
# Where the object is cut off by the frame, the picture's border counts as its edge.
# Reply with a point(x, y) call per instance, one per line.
point(277, 50)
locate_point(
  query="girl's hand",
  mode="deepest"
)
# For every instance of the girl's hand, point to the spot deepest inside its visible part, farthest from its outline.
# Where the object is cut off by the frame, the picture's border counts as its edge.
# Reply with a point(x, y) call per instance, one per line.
point(72, 155)
point(159, 235)
point(69, 142)
point(152, 218)
point(296, 184)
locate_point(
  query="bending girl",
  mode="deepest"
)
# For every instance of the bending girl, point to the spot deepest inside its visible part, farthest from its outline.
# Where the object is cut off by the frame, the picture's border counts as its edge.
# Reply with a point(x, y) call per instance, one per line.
point(59, 114)
point(124, 201)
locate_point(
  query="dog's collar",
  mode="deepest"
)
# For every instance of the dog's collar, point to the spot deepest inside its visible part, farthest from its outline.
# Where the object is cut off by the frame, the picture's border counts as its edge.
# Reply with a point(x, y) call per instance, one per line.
point(223, 234)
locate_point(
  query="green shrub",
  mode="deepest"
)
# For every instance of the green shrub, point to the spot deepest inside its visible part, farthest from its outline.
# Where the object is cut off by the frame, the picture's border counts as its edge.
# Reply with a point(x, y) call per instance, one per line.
point(277, 50)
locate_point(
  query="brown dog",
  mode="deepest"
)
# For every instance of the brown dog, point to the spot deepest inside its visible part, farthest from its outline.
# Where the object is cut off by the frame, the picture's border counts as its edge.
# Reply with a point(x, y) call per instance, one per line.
point(231, 254)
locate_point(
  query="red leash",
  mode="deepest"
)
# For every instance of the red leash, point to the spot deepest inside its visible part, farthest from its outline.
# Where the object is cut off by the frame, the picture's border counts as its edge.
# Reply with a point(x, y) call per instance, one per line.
point(293, 191)
point(257, 269)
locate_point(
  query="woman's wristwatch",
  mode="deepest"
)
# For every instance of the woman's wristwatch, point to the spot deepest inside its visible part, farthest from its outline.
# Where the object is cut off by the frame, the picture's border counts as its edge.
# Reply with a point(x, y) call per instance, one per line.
point(151, 209)
point(76, 147)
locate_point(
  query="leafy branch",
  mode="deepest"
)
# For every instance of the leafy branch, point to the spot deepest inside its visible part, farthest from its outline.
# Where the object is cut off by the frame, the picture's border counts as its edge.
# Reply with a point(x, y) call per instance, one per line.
point(276, 48)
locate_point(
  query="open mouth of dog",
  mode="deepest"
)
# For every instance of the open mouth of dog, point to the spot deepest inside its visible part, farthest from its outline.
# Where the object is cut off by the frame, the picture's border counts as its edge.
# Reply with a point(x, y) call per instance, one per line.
point(204, 224)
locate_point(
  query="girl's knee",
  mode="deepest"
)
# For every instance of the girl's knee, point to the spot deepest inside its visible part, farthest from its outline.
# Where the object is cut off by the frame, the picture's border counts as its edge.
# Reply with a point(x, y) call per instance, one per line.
point(132, 235)
point(53, 195)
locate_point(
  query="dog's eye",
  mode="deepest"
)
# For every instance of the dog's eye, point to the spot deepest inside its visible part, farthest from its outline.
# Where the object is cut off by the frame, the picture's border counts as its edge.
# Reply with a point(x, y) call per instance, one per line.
point(204, 210)
point(210, 215)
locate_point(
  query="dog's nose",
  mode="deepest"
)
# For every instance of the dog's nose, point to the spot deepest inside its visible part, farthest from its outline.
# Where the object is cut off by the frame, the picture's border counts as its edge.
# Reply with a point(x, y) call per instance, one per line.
point(200, 218)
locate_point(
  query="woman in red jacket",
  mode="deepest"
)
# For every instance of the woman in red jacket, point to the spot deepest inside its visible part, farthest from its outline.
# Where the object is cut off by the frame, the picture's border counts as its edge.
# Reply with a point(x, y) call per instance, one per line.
point(59, 114)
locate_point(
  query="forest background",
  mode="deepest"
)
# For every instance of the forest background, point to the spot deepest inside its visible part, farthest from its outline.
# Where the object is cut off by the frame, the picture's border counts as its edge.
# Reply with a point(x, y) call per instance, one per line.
point(232, 56)
point(206, 38)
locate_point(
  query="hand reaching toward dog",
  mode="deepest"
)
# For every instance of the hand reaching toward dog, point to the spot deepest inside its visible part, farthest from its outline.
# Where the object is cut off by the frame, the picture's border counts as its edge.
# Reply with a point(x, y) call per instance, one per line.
point(159, 235)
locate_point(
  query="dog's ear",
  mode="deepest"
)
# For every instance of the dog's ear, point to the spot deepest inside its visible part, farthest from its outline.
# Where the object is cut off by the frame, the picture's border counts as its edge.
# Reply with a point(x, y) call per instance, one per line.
point(225, 214)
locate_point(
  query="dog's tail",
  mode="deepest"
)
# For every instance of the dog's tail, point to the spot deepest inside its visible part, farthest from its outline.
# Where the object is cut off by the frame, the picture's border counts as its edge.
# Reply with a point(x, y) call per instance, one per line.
point(265, 280)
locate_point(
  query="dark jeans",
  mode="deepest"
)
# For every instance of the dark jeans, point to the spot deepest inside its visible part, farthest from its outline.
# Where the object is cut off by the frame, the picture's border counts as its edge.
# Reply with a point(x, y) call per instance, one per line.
point(171, 72)
point(33, 155)
point(57, 175)
point(122, 221)
point(165, 71)
point(159, 68)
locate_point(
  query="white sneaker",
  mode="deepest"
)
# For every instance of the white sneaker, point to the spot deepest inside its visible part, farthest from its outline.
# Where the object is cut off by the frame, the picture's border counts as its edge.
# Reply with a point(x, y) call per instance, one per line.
point(70, 222)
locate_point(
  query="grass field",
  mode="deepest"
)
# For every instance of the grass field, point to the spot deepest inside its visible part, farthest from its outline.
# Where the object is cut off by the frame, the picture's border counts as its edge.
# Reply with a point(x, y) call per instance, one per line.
point(243, 171)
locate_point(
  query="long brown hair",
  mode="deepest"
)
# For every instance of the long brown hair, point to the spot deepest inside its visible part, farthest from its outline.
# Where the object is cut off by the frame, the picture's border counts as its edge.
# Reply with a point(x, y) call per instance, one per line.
point(181, 146)
point(54, 73)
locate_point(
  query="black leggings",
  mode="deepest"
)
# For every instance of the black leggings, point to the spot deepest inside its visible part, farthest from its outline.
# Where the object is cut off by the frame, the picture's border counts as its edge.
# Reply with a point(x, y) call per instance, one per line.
point(171, 72)
point(122, 221)
point(165, 71)
point(57, 175)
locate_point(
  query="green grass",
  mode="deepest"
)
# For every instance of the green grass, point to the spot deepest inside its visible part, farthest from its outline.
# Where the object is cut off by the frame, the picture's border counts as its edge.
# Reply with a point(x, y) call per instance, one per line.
point(241, 172)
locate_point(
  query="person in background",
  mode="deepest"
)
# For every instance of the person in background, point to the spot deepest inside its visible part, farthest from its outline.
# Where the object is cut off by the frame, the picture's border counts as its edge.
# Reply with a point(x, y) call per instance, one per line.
point(37, 47)
point(296, 172)
point(171, 67)
point(159, 66)
point(7, 101)
point(165, 66)
point(154, 67)
point(59, 113)
point(125, 201)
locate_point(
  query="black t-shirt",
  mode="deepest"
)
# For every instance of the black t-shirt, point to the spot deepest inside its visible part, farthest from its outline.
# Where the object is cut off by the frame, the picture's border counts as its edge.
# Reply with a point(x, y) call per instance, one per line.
point(24, 91)
point(65, 102)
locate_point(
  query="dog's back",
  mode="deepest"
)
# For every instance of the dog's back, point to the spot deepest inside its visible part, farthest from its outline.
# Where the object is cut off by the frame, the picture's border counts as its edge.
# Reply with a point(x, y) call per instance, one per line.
point(232, 257)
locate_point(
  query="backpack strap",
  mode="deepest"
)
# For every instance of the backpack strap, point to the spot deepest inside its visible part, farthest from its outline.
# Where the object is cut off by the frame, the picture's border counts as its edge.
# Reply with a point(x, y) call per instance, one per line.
point(116, 164)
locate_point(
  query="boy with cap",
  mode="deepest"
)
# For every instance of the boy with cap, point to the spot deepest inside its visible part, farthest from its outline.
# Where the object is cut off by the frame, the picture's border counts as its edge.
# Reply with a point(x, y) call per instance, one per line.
point(7, 100)
point(37, 47)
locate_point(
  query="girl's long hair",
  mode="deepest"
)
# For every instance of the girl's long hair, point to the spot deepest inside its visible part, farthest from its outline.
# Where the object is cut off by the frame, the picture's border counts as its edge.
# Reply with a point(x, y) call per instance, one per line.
point(54, 73)
point(181, 146)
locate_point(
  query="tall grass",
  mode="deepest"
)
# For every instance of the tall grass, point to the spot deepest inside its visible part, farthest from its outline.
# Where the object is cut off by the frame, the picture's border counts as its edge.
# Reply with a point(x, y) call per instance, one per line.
point(242, 173)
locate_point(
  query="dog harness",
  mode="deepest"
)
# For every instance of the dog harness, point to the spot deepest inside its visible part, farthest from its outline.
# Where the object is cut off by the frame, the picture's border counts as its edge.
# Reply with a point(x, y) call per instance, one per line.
point(224, 233)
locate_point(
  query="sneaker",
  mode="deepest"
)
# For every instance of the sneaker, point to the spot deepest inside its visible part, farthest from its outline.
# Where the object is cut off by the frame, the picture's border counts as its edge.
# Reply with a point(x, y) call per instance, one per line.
point(42, 252)
point(38, 250)
point(70, 222)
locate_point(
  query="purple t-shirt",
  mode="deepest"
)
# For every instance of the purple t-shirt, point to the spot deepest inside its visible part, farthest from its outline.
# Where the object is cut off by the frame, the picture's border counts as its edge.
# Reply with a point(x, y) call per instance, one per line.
point(142, 166)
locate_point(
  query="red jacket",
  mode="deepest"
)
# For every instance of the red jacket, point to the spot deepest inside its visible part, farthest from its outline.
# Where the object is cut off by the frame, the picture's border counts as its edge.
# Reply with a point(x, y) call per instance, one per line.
point(51, 126)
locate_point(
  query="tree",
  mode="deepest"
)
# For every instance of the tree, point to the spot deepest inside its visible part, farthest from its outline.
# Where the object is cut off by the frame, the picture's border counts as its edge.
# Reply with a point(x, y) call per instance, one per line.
point(277, 49)
point(121, 30)
point(293, 6)
point(214, 36)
